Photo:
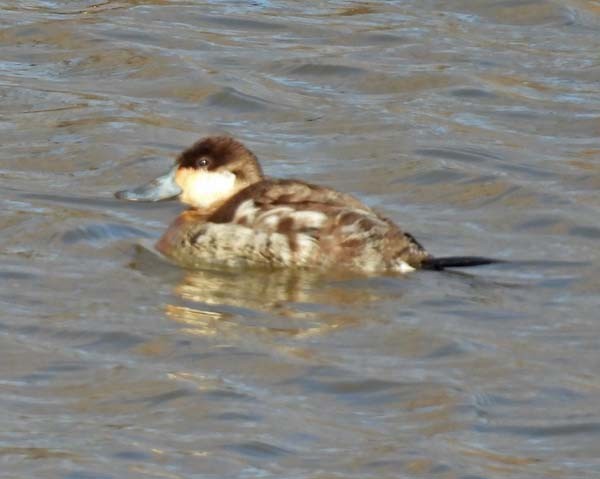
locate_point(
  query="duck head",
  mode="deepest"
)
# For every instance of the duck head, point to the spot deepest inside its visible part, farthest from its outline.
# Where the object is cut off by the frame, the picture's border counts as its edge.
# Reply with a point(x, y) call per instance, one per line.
point(204, 176)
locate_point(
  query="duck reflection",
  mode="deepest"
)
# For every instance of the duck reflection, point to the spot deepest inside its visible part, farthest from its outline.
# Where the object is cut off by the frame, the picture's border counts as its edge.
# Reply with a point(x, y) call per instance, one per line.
point(277, 304)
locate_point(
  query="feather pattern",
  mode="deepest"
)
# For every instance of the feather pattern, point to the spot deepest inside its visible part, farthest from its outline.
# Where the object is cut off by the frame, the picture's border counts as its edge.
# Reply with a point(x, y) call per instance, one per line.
point(290, 223)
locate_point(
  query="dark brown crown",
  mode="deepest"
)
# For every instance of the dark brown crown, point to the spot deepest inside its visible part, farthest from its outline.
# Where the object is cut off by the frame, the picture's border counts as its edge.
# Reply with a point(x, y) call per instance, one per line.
point(223, 151)
point(219, 149)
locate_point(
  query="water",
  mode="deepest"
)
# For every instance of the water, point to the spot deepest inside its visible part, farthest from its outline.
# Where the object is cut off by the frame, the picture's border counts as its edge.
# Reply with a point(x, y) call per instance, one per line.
point(474, 125)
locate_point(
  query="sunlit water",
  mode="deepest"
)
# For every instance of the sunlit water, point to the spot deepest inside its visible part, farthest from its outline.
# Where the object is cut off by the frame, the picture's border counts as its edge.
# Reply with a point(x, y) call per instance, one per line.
point(475, 125)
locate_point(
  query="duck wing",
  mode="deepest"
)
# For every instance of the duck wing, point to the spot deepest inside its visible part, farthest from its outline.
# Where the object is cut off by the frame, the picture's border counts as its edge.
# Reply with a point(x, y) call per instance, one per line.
point(344, 229)
point(287, 206)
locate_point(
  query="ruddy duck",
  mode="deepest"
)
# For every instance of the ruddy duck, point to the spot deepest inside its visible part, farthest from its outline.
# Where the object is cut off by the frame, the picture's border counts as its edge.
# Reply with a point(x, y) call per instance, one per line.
point(238, 217)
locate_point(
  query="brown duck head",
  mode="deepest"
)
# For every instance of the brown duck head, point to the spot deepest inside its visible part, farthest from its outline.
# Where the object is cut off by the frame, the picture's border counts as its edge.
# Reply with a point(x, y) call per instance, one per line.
point(204, 176)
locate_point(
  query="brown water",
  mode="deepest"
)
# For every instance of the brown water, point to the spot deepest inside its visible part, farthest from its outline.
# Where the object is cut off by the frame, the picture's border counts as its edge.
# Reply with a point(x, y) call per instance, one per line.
point(475, 125)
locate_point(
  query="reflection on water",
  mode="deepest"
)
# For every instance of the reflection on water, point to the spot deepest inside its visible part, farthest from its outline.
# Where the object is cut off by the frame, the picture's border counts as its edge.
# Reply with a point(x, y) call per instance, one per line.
point(295, 304)
point(474, 125)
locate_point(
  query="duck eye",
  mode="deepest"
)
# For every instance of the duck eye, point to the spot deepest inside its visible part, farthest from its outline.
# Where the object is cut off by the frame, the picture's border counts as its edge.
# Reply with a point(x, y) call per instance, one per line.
point(202, 162)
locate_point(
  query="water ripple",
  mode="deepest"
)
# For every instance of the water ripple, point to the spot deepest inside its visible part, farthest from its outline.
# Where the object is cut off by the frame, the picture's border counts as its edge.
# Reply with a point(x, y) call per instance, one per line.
point(474, 125)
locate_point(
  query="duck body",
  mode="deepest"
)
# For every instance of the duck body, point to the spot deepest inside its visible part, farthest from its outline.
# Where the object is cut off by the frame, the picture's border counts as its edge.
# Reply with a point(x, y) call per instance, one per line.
point(291, 224)
point(239, 218)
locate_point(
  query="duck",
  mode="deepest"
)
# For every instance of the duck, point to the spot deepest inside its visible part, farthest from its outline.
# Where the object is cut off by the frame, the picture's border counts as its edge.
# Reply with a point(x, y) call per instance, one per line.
point(237, 218)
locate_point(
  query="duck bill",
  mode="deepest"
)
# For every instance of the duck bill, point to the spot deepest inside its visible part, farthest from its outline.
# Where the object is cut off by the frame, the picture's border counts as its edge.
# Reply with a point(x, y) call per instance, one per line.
point(161, 188)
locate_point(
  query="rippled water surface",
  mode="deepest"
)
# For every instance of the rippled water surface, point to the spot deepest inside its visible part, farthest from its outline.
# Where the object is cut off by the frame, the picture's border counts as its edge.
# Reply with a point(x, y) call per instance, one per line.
point(474, 124)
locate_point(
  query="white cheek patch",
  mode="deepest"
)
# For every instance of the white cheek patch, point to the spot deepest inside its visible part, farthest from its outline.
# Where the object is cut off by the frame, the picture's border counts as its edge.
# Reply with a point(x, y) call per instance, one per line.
point(205, 188)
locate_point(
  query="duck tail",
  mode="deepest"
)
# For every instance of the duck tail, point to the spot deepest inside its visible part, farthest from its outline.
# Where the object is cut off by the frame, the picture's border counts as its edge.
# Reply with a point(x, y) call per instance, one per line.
point(439, 264)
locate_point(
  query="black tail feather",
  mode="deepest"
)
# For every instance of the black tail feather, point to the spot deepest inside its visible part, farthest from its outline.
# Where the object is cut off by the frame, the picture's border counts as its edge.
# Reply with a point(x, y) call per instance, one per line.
point(439, 264)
